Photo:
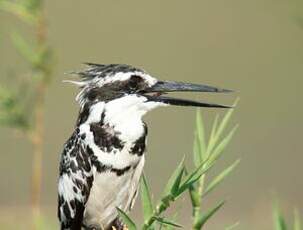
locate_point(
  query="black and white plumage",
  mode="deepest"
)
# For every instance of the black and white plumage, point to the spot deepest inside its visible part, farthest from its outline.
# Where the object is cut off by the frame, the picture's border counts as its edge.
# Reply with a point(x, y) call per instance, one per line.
point(102, 161)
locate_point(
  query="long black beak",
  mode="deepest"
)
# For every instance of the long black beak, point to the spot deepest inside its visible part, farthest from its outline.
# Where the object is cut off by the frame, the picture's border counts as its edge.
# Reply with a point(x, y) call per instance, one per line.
point(170, 86)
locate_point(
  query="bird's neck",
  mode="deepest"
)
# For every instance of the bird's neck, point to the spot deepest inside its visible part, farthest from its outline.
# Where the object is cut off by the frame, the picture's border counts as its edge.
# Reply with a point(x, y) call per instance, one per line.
point(126, 121)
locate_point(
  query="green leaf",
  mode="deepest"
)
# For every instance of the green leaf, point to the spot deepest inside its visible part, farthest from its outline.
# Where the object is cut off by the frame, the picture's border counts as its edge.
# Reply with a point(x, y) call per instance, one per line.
point(200, 135)
point(196, 151)
point(167, 222)
point(218, 179)
point(18, 10)
point(24, 48)
point(233, 226)
point(194, 194)
point(221, 146)
point(297, 221)
point(214, 127)
point(205, 217)
point(279, 220)
point(226, 119)
point(212, 138)
point(32, 6)
point(147, 205)
point(193, 177)
point(12, 111)
point(175, 180)
point(217, 133)
point(174, 217)
point(127, 220)
point(208, 163)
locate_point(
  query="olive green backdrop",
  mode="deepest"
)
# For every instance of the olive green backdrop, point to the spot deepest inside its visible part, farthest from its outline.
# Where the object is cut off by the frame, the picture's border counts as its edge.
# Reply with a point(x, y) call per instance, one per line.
point(254, 47)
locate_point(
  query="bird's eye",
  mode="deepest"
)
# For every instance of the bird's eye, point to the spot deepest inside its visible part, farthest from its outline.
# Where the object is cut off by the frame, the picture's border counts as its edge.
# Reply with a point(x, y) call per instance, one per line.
point(134, 82)
point(92, 94)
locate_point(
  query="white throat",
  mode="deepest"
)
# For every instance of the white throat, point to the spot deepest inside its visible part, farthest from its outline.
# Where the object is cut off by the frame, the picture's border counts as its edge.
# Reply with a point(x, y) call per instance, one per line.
point(124, 115)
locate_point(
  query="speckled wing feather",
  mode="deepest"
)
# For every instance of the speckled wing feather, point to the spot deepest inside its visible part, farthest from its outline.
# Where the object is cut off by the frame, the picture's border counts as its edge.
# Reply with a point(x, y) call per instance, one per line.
point(75, 182)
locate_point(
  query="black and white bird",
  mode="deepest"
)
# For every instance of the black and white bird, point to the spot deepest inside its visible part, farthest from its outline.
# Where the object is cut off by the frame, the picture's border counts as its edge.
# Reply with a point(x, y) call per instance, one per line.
point(102, 161)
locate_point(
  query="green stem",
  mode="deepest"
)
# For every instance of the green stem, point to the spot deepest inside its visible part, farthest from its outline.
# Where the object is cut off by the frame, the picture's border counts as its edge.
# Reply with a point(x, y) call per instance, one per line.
point(197, 204)
point(157, 212)
point(37, 137)
point(37, 142)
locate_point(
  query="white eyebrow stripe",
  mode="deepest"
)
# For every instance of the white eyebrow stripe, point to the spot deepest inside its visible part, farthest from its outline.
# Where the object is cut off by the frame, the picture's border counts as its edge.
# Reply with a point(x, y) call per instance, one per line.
point(120, 76)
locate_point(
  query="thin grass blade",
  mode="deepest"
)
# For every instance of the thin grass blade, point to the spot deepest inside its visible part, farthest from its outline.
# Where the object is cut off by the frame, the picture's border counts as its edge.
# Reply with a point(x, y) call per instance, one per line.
point(233, 226)
point(146, 200)
point(193, 178)
point(127, 220)
point(212, 138)
point(279, 220)
point(32, 6)
point(214, 127)
point(205, 217)
point(23, 47)
point(222, 145)
point(173, 219)
point(167, 222)
point(196, 151)
point(221, 128)
point(175, 179)
point(297, 221)
point(200, 132)
point(19, 10)
point(218, 179)
point(196, 173)
point(225, 120)
point(193, 192)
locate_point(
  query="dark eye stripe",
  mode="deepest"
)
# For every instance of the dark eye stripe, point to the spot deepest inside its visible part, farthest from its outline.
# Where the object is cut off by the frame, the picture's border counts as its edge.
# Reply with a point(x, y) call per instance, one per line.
point(116, 89)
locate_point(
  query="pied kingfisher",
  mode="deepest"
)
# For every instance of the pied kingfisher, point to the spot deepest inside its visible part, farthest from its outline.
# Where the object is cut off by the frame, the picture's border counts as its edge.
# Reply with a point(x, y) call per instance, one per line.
point(102, 161)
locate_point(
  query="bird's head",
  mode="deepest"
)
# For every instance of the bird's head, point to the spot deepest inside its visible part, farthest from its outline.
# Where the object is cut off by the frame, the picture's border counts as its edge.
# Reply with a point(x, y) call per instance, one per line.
point(124, 89)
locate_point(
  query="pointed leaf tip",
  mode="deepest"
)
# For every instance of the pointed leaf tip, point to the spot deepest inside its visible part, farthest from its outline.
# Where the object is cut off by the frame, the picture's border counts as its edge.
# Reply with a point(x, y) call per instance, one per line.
point(174, 181)
point(218, 179)
point(167, 222)
point(206, 216)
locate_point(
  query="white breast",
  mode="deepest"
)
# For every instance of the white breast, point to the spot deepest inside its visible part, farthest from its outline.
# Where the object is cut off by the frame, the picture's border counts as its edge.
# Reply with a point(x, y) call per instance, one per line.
point(110, 191)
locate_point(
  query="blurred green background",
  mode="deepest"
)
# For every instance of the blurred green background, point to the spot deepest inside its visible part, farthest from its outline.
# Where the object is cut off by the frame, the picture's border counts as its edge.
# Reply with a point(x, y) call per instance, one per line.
point(254, 47)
